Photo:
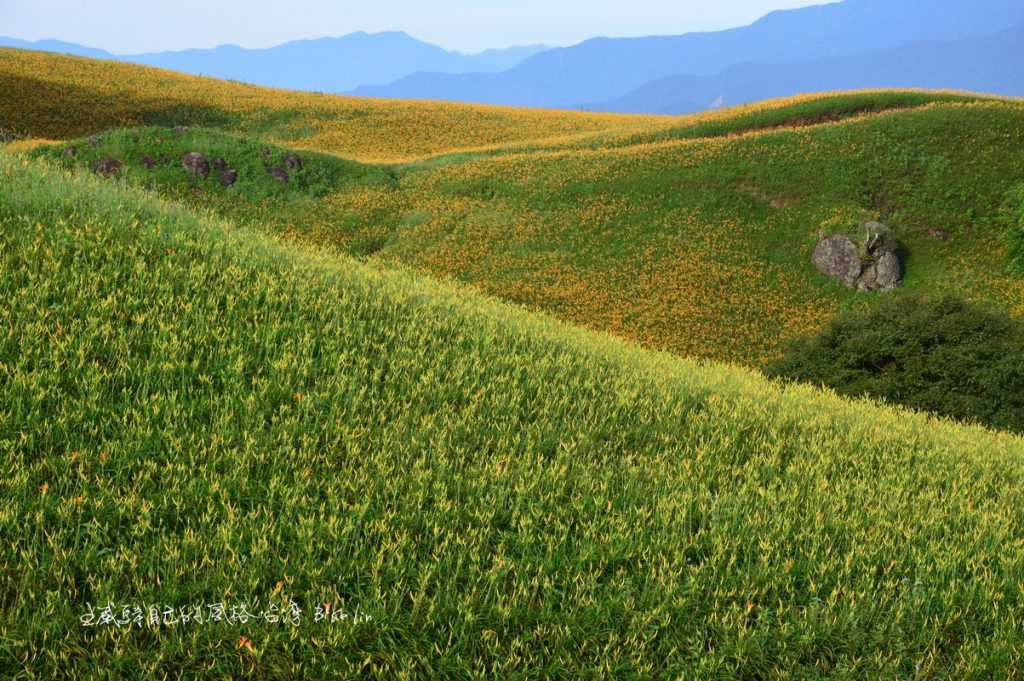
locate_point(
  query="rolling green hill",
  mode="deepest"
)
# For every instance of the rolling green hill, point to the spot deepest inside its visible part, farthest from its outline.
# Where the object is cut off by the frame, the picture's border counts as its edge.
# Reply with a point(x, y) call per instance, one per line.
point(368, 392)
point(694, 239)
point(193, 413)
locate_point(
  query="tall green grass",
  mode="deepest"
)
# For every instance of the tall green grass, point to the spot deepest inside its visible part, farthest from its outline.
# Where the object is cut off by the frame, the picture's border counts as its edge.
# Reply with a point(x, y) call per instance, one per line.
point(192, 413)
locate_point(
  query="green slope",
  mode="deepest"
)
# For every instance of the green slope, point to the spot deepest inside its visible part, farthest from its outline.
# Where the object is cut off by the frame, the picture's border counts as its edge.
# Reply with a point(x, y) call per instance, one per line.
point(192, 413)
point(694, 239)
point(702, 246)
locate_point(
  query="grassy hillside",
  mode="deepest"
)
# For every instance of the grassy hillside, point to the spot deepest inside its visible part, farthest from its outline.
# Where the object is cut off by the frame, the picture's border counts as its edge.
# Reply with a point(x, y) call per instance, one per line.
point(703, 246)
point(695, 238)
point(193, 414)
point(58, 97)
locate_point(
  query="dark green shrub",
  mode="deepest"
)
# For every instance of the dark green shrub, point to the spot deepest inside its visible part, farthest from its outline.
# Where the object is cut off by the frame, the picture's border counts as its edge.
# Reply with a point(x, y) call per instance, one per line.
point(943, 355)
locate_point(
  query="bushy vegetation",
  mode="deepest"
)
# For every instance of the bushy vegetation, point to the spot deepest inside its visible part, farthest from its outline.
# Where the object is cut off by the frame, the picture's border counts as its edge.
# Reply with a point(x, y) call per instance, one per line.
point(152, 158)
point(192, 414)
point(938, 355)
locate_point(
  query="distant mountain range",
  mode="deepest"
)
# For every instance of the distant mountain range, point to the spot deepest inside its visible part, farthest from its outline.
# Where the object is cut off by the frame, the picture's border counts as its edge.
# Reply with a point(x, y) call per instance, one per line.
point(603, 69)
point(993, 64)
point(55, 46)
point(325, 65)
point(961, 44)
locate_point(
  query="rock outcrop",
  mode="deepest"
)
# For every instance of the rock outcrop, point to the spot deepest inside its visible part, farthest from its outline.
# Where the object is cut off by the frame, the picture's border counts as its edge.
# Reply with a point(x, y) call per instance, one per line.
point(873, 266)
point(839, 258)
point(196, 163)
point(228, 178)
point(107, 167)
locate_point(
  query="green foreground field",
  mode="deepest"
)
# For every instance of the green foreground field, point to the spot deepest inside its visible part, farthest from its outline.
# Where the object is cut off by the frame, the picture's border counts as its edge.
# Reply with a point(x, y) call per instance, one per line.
point(192, 412)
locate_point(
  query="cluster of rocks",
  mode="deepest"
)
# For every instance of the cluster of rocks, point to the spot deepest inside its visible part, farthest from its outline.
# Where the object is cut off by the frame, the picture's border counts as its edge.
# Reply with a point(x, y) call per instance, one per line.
point(197, 164)
point(872, 266)
point(107, 167)
point(291, 162)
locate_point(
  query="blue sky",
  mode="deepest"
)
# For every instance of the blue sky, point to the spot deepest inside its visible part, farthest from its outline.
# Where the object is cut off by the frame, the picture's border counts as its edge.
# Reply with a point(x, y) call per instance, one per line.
point(126, 26)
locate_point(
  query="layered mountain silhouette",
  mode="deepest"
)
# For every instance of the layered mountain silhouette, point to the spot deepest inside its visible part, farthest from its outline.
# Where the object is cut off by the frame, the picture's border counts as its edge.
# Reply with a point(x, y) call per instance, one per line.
point(326, 65)
point(993, 64)
point(603, 69)
point(960, 44)
point(56, 46)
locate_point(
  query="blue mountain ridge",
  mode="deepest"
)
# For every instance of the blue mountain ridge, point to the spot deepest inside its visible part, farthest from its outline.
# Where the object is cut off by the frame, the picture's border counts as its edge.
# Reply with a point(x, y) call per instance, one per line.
point(325, 64)
point(992, 64)
point(602, 69)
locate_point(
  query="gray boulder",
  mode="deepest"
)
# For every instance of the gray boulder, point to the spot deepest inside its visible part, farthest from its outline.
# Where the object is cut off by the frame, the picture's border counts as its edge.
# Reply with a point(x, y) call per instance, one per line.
point(195, 162)
point(874, 266)
point(107, 167)
point(888, 272)
point(878, 239)
point(839, 258)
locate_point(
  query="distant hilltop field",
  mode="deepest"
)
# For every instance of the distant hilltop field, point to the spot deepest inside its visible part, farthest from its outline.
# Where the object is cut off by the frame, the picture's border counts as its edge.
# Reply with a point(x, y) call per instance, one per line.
point(341, 387)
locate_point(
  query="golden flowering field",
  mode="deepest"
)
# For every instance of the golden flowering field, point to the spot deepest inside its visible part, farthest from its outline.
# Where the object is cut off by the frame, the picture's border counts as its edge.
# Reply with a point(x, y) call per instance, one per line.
point(689, 234)
point(61, 97)
point(702, 246)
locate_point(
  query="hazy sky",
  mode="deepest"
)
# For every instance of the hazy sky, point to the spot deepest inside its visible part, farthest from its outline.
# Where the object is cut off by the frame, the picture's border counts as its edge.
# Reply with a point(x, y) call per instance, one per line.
point(127, 26)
